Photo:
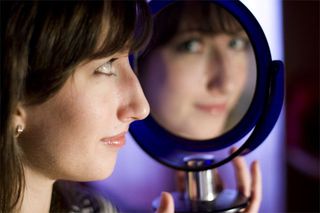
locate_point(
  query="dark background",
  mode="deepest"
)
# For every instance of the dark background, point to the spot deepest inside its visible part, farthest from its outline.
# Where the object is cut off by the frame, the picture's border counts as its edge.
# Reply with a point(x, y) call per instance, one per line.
point(301, 43)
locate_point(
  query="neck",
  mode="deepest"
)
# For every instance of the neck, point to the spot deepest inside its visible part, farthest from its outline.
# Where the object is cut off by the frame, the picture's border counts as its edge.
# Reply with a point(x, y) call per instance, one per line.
point(37, 194)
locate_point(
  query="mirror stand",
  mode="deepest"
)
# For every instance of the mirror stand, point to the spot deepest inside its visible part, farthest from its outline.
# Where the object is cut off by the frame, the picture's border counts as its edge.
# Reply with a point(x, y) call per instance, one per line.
point(203, 194)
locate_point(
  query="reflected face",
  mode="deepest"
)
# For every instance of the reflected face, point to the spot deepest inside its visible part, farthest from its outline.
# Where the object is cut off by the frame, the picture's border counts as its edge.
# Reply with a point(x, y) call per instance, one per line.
point(77, 133)
point(193, 82)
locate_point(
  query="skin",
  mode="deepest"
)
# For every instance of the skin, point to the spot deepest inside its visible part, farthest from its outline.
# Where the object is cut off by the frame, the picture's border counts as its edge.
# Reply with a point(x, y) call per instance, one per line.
point(249, 183)
point(166, 203)
point(221, 75)
point(62, 136)
point(199, 78)
point(169, 79)
point(89, 107)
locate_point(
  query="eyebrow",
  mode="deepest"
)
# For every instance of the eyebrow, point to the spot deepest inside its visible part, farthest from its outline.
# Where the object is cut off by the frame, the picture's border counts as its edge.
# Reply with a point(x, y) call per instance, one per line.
point(202, 31)
point(206, 33)
point(191, 30)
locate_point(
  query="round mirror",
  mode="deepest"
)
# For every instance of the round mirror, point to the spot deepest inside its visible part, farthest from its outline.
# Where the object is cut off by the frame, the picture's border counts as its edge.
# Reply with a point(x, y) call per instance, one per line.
point(199, 71)
point(210, 81)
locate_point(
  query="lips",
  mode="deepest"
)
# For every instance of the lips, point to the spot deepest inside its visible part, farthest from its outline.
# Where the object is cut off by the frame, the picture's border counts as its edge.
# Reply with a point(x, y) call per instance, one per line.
point(115, 141)
point(213, 109)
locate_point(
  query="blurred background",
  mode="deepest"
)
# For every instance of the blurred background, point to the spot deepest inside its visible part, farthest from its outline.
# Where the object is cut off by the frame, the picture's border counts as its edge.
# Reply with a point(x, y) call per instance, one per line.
point(301, 33)
point(289, 157)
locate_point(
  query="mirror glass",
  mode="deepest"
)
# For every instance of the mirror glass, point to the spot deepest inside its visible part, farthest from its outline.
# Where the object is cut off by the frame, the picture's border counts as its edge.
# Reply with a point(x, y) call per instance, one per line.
point(199, 71)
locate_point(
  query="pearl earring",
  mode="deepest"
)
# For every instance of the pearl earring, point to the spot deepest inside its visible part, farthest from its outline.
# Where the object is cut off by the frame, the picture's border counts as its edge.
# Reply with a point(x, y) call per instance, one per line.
point(19, 130)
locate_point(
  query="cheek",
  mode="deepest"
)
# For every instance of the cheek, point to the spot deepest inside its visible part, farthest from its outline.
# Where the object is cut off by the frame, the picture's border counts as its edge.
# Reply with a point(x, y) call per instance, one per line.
point(185, 76)
point(239, 72)
point(79, 114)
point(90, 118)
point(237, 80)
point(183, 86)
point(62, 137)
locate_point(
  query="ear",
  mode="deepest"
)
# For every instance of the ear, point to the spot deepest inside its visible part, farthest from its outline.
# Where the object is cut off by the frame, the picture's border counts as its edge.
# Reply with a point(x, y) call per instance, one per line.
point(19, 116)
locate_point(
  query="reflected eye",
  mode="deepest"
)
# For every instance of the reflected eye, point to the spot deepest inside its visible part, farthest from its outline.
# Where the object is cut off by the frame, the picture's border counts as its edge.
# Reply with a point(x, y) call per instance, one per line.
point(107, 68)
point(238, 43)
point(190, 46)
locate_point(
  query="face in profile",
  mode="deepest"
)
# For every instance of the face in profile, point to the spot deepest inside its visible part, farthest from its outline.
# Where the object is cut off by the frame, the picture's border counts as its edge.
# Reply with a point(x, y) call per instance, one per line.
point(80, 94)
point(76, 134)
point(196, 79)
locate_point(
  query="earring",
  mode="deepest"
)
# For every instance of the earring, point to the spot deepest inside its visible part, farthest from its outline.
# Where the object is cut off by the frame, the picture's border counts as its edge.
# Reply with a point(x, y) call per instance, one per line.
point(19, 130)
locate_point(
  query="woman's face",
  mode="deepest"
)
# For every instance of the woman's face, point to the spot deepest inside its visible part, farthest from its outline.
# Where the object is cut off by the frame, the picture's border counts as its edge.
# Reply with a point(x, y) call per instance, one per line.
point(76, 134)
point(194, 81)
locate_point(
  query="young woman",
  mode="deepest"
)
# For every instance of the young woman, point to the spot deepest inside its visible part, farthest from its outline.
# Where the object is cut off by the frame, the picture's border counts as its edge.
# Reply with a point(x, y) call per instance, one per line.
point(68, 95)
point(197, 69)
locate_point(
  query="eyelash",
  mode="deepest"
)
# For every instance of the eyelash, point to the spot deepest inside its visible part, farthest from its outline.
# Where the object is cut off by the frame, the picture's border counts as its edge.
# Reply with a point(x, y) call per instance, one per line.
point(187, 46)
point(107, 68)
point(235, 41)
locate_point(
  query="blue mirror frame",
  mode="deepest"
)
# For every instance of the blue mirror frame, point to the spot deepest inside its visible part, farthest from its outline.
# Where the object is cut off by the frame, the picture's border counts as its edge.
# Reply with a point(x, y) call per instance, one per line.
point(260, 118)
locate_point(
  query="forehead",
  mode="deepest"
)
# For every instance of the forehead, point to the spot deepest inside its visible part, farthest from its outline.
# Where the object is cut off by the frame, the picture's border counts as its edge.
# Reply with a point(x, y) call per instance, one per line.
point(207, 17)
point(199, 34)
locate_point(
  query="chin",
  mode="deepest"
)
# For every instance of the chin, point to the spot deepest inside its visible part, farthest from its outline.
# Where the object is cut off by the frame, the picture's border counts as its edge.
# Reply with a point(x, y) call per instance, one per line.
point(93, 176)
point(94, 173)
point(200, 134)
point(102, 173)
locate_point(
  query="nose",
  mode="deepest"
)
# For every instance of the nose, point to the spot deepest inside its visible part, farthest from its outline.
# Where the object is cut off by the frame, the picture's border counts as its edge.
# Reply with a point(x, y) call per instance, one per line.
point(134, 105)
point(218, 79)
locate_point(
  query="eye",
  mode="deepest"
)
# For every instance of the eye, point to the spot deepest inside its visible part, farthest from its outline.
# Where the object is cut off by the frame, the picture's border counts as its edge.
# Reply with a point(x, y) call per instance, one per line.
point(107, 68)
point(193, 45)
point(238, 43)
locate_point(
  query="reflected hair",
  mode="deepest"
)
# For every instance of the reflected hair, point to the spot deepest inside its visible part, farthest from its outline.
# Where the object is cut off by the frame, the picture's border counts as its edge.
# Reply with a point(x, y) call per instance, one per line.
point(42, 42)
point(202, 16)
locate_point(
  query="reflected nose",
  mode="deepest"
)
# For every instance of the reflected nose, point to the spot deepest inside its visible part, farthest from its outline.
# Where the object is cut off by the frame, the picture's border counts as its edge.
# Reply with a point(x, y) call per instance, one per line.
point(134, 105)
point(218, 77)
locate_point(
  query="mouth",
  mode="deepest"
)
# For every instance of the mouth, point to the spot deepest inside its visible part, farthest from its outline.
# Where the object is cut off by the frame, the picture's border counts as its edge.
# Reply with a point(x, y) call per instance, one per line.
point(213, 109)
point(115, 141)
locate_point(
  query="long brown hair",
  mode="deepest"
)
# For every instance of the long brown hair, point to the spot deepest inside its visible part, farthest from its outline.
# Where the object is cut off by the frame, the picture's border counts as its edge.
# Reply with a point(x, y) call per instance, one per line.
point(41, 44)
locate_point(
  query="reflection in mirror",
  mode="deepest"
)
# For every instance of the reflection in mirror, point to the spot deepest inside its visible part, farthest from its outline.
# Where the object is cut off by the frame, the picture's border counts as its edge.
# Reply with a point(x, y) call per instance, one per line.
point(198, 72)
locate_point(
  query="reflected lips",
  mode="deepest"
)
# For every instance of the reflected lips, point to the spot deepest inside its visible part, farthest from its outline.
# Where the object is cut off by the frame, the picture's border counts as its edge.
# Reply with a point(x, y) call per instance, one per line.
point(212, 108)
point(115, 141)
